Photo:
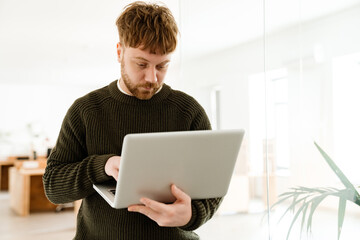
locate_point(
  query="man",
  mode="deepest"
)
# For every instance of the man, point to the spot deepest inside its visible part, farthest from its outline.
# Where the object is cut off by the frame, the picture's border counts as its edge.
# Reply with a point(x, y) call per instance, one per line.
point(89, 144)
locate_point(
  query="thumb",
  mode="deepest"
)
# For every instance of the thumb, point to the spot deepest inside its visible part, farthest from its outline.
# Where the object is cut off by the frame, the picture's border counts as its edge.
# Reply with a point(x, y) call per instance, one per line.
point(178, 194)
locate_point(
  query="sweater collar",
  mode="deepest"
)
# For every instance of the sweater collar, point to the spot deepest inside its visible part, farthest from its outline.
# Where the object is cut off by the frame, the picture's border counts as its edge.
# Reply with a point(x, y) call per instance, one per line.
point(122, 90)
point(118, 95)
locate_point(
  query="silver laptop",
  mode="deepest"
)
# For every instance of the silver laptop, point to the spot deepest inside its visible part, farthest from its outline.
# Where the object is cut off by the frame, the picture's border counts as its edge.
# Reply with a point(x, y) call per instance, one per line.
point(200, 163)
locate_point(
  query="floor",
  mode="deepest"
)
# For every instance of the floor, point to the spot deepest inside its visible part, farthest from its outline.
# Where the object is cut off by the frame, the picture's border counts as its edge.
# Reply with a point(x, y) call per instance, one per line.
point(43, 225)
point(60, 226)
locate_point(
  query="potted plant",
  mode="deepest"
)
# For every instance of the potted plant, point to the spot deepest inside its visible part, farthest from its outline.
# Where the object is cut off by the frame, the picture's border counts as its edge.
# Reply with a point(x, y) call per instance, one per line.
point(304, 201)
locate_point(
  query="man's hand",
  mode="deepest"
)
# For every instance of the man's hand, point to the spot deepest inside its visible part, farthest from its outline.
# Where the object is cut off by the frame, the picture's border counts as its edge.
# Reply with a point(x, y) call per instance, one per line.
point(112, 167)
point(176, 214)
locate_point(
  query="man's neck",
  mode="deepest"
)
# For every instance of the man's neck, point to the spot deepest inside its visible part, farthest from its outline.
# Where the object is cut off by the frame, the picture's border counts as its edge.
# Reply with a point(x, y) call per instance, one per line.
point(124, 92)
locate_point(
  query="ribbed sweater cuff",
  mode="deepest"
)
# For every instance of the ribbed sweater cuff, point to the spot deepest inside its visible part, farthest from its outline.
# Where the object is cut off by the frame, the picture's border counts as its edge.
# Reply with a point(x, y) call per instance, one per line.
point(190, 225)
point(96, 168)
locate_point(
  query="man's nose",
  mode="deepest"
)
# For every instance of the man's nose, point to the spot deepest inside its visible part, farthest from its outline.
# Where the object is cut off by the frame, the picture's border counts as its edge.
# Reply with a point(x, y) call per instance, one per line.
point(150, 75)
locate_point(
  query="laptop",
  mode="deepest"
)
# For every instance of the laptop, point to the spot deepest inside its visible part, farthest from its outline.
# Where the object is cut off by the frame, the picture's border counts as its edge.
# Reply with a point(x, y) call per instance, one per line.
point(200, 163)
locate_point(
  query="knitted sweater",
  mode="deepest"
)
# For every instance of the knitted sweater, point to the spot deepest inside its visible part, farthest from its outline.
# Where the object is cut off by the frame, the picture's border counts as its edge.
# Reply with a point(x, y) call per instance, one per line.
point(92, 131)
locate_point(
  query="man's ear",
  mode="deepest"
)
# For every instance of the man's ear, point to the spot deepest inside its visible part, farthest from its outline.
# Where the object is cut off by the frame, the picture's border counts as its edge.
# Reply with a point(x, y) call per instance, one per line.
point(118, 49)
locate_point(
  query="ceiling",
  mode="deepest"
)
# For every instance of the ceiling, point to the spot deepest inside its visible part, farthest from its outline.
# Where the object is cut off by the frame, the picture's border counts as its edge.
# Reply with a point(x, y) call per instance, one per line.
point(42, 34)
point(221, 24)
point(205, 24)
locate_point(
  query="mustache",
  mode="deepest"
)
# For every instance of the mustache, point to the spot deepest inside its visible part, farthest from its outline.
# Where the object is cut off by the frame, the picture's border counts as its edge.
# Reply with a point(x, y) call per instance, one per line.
point(150, 85)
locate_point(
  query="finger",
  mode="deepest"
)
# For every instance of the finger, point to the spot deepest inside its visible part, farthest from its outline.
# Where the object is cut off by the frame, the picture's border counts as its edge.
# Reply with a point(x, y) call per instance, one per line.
point(178, 194)
point(116, 174)
point(145, 211)
point(137, 208)
point(154, 205)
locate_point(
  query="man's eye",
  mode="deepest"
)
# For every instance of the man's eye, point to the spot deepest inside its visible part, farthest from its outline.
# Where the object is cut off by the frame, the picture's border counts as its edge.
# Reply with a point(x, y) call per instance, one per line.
point(161, 67)
point(141, 65)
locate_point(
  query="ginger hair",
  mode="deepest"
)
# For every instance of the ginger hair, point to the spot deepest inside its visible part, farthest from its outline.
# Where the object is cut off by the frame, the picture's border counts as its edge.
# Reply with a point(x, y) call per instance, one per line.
point(148, 26)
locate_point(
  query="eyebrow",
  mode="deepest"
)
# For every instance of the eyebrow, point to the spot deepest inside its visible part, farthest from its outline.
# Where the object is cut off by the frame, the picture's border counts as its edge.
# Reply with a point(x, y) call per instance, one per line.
point(145, 60)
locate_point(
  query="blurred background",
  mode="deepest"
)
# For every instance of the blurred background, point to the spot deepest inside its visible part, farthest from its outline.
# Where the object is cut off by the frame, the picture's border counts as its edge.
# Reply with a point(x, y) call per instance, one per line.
point(285, 71)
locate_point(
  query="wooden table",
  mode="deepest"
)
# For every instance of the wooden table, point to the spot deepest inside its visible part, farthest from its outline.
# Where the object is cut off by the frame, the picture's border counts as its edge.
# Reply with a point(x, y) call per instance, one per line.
point(27, 191)
point(4, 173)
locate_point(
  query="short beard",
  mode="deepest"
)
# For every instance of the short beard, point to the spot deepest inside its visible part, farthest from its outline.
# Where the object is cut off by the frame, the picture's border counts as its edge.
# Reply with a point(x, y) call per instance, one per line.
point(134, 89)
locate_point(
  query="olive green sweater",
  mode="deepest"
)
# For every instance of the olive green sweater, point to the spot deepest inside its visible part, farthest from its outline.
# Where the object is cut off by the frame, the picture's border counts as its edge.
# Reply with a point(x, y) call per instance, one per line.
point(92, 131)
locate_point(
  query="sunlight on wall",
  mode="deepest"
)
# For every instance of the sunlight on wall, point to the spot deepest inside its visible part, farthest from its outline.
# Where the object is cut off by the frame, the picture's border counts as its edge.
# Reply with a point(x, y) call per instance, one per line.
point(346, 86)
point(272, 127)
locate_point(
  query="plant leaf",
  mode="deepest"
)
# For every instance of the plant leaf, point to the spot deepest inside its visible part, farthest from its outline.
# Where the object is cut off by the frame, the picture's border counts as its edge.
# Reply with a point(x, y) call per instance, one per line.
point(314, 204)
point(341, 214)
point(304, 216)
point(289, 195)
point(347, 194)
point(294, 219)
point(293, 206)
point(340, 175)
point(319, 190)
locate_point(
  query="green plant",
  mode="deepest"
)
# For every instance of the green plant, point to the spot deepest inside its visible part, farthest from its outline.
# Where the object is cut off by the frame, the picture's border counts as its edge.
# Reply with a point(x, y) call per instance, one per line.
point(306, 200)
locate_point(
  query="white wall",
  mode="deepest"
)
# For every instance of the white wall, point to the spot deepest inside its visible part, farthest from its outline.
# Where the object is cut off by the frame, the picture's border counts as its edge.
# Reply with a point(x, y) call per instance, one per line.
point(50, 54)
point(310, 84)
point(40, 77)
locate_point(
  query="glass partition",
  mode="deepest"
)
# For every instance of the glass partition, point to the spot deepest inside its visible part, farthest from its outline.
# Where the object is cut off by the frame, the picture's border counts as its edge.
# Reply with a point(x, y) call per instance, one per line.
point(311, 73)
point(287, 72)
point(222, 65)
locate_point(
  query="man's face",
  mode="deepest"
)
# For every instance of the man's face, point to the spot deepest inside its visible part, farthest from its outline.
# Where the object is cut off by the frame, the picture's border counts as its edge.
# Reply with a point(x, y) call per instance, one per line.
point(142, 73)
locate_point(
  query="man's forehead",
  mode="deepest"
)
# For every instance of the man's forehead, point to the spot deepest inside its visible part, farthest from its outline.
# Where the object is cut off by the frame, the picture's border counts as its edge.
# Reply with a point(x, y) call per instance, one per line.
point(146, 55)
